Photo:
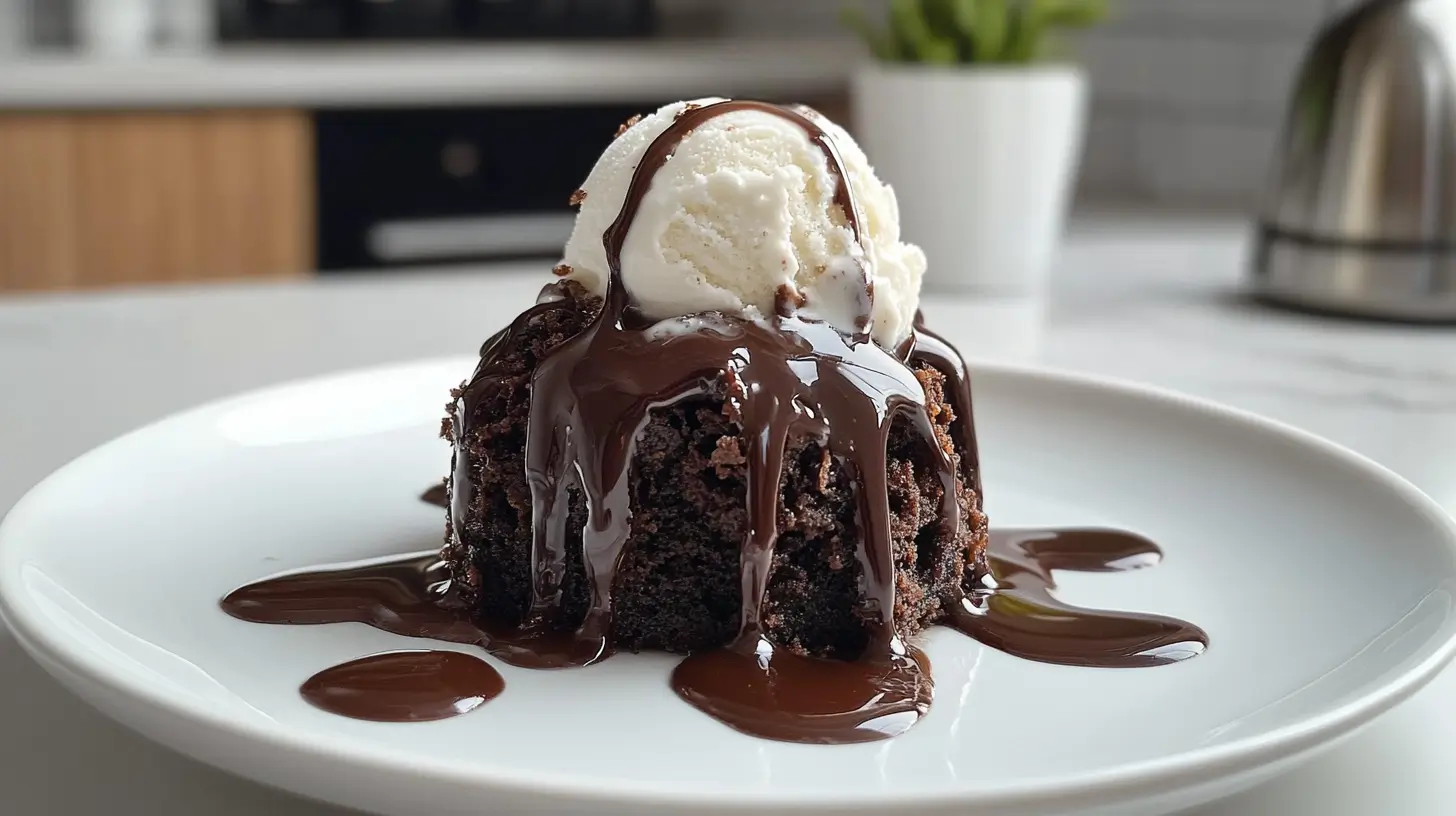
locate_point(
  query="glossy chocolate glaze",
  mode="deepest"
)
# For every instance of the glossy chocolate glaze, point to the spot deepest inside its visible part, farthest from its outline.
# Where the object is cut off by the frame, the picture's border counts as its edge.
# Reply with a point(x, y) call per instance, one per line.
point(1012, 607)
point(412, 686)
point(437, 495)
point(790, 378)
point(795, 378)
point(783, 696)
point(404, 596)
point(411, 596)
point(771, 692)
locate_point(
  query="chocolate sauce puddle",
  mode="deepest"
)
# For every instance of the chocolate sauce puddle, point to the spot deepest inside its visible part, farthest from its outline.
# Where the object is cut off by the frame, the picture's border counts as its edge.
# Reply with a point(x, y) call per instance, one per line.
point(770, 692)
point(778, 695)
point(1013, 608)
point(413, 686)
point(407, 596)
point(437, 495)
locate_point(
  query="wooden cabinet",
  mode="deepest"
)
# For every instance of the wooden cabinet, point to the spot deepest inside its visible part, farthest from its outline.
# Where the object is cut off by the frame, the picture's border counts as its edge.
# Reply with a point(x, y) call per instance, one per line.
point(92, 199)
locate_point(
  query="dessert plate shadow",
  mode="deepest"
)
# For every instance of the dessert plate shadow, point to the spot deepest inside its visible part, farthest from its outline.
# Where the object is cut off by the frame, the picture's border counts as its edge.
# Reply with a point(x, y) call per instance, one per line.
point(1324, 582)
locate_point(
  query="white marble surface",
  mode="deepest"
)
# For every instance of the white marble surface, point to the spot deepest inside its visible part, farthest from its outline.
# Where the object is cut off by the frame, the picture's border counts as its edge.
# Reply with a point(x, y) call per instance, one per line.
point(404, 76)
point(1146, 299)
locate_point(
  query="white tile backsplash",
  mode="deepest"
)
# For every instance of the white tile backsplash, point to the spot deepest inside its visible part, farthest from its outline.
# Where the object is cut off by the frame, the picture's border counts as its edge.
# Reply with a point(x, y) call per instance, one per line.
point(1201, 161)
point(1111, 153)
point(1188, 95)
point(1273, 67)
point(1192, 74)
point(1203, 85)
point(1260, 18)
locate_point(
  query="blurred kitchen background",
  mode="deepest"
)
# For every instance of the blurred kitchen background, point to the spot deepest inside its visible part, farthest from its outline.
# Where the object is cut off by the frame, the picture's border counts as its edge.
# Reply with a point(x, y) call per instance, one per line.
point(172, 140)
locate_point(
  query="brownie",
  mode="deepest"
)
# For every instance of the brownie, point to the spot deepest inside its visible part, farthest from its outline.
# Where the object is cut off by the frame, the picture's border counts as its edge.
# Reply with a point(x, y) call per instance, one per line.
point(678, 588)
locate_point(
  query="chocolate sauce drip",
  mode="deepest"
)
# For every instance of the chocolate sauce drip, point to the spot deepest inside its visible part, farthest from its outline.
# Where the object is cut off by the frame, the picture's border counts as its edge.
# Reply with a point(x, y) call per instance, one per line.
point(488, 368)
point(405, 596)
point(796, 378)
point(687, 121)
point(405, 686)
point(1079, 550)
point(1014, 610)
point(787, 697)
point(771, 692)
point(925, 346)
point(411, 596)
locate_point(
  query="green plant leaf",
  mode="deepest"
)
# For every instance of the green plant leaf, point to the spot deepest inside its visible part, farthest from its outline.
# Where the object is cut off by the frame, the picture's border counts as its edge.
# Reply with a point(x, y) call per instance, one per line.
point(973, 31)
point(941, 17)
point(909, 26)
point(1027, 27)
point(940, 51)
point(991, 29)
point(916, 39)
point(880, 43)
point(963, 12)
point(1072, 13)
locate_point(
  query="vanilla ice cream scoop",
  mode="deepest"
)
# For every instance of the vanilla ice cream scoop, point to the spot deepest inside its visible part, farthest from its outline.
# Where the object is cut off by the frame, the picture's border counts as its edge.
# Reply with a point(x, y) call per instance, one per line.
point(745, 206)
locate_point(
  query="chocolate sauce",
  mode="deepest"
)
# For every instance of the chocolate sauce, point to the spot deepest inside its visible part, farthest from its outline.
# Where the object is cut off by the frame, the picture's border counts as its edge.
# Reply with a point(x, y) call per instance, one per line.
point(925, 346)
point(795, 378)
point(788, 379)
point(403, 596)
point(437, 495)
point(764, 690)
point(1013, 609)
point(776, 694)
point(410, 596)
point(405, 686)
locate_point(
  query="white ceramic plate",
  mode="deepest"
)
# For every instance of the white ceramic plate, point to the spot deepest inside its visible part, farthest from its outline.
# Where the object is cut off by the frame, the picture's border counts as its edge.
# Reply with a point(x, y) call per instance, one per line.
point(1324, 581)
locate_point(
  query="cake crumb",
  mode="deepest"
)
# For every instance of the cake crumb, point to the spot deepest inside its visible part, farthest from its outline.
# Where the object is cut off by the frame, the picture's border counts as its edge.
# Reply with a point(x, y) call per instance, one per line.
point(577, 196)
point(627, 125)
point(787, 299)
point(727, 454)
point(561, 270)
point(686, 109)
point(678, 587)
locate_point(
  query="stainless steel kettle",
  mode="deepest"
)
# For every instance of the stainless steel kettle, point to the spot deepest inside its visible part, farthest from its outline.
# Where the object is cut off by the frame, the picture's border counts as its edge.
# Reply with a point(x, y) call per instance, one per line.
point(1361, 215)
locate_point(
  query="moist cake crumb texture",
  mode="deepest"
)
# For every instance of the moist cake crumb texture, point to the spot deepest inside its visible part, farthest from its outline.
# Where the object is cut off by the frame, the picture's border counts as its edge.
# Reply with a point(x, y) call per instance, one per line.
point(678, 587)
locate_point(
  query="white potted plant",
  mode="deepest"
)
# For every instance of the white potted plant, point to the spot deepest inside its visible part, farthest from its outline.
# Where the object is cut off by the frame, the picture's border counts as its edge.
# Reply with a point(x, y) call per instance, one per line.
point(969, 115)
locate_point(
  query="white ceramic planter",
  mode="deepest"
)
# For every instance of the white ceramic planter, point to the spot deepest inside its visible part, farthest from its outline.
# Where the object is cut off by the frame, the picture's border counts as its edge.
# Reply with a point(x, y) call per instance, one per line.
point(116, 28)
point(982, 161)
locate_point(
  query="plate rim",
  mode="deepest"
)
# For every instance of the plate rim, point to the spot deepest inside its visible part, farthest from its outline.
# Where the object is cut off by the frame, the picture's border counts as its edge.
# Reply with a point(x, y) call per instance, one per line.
point(1140, 778)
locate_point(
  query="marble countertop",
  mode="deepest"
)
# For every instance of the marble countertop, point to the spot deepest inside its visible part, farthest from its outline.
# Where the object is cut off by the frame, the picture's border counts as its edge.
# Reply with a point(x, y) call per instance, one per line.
point(407, 75)
point(1151, 299)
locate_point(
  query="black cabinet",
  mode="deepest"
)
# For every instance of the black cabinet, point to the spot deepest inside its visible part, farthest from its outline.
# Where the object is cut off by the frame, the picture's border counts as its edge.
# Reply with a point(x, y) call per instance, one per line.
point(408, 186)
point(282, 20)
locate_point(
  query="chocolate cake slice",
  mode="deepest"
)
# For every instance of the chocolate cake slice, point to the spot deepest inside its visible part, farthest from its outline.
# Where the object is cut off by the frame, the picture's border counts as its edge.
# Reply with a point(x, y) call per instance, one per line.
point(678, 585)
